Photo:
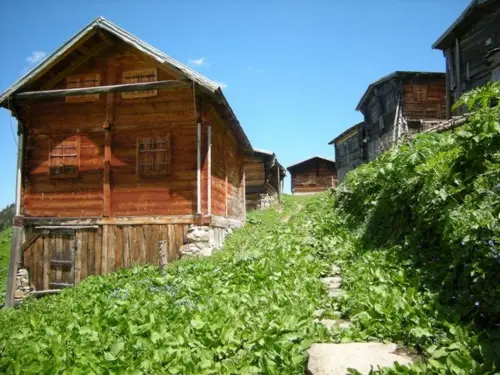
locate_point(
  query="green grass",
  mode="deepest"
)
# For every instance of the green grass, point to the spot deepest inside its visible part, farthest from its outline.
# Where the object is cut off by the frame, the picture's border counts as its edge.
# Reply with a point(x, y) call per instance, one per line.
point(5, 239)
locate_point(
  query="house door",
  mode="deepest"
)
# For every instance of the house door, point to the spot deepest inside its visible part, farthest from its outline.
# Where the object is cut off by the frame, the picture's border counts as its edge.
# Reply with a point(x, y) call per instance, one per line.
point(60, 247)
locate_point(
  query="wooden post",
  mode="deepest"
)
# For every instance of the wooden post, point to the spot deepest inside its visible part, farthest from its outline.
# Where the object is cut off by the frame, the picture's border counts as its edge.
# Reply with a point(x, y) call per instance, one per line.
point(110, 109)
point(448, 83)
point(244, 194)
point(458, 74)
point(163, 254)
point(17, 235)
point(278, 180)
point(198, 168)
point(209, 172)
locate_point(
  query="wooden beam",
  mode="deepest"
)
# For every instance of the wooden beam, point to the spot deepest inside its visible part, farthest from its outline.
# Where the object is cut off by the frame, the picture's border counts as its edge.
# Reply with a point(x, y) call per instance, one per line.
point(144, 86)
point(84, 50)
point(209, 170)
point(75, 64)
point(198, 168)
point(31, 240)
point(107, 39)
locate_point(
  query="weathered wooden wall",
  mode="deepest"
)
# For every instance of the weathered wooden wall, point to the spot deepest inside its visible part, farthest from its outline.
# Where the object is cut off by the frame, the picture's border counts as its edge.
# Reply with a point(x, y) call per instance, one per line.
point(227, 171)
point(424, 98)
point(313, 176)
point(60, 257)
point(468, 65)
point(349, 151)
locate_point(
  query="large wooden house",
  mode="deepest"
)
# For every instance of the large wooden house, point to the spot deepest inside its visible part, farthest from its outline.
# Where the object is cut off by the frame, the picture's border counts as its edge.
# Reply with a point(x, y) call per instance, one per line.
point(401, 103)
point(121, 148)
point(313, 175)
point(264, 176)
point(349, 150)
point(471, 46)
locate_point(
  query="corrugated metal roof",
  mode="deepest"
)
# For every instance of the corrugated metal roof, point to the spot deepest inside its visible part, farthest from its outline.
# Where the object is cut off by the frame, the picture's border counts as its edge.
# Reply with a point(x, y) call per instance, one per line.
point(311, 158)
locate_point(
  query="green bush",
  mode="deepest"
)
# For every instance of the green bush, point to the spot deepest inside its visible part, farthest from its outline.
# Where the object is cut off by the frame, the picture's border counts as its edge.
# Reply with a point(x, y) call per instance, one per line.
point(418, 234)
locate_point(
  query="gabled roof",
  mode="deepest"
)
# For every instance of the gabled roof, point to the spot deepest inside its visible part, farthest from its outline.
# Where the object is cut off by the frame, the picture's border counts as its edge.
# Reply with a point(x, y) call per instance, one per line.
point(271, 155)
point(395, 74)
point(289, 168)
point(347, 131)
point(472, 12)
point(103, 24)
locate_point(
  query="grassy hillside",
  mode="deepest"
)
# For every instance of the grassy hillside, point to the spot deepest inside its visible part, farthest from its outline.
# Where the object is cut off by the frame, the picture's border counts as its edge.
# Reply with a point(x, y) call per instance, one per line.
point(5, 238)
point(416, 234)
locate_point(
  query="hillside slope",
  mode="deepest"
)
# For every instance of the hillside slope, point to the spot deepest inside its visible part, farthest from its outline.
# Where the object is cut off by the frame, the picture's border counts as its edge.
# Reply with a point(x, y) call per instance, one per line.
point(5, 239)
point(415, 233)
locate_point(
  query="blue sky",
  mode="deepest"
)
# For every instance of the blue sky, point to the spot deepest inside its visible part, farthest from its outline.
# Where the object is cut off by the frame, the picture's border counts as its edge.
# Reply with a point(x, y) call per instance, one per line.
point(294, 70)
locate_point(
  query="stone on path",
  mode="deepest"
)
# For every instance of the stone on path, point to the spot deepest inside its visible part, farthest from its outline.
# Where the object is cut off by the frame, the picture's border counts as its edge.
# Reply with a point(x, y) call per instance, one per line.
point(342, 324)
point(335, 270)
point(335, 359)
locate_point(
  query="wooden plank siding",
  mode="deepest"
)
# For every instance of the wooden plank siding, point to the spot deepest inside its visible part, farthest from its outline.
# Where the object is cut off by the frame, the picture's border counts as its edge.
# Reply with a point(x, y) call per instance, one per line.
point(312, 176)
point(126, 246)
point(129, 213)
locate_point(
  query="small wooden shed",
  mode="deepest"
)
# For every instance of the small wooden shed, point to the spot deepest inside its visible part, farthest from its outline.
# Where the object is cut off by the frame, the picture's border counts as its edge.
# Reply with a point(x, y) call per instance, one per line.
point(313, 175)
point(120, 147)
point(401, 104)
point(471, 46)
point(264, 176)
point(349, 149)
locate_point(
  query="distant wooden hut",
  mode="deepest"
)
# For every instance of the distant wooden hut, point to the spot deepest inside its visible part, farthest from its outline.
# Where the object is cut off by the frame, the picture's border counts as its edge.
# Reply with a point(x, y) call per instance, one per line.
point(263, 177)
point(313, 175)
point(121, 148)
point(349, 150)
point(399, 104)
point(471, 46)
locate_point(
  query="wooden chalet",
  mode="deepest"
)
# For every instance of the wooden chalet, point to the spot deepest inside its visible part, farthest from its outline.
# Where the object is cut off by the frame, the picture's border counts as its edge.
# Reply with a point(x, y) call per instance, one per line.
point(349, 150)
point(401, 103)
point(264, 176)
point(313, 175)
point(121, 147)
point(471, 46)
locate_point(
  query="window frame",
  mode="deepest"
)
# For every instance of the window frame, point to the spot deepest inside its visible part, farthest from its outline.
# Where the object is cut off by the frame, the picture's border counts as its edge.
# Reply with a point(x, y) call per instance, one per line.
point(168, 155)
point(51, 156)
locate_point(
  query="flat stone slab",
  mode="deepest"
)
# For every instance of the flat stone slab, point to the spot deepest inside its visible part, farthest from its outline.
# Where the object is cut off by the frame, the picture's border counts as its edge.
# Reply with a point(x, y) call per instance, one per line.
point(335, 293)
point(330, 323)
point(332, 282)
point(335, 270)
point(335, 359)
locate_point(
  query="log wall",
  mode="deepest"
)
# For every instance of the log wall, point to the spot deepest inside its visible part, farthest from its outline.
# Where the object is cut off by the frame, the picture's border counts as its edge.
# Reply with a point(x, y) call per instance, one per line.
point(313, 176)
point(67, 257)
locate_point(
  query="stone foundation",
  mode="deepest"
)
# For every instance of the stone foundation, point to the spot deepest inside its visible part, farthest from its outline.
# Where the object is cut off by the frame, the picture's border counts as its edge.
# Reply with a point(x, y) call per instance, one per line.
point(23, 287)
point(203, 240)
point(266, 201)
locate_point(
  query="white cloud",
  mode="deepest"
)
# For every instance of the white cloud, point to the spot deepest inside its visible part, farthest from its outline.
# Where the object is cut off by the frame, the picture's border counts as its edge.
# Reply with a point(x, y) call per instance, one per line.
point(35, 57)
point(199, 62)
point(222, 85)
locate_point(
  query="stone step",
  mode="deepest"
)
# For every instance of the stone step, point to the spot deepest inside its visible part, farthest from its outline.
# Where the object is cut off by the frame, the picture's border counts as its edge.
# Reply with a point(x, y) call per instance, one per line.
point(335, 359)
point(330, 323)
point(335, 292)
point(332, 282)
point(335, 270)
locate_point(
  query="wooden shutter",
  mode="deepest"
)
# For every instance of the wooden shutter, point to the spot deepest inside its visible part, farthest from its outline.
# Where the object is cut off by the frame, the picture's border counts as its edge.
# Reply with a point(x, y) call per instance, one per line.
point(138, 76)
point(153, 155)
point(80, 81)
point(64, 156)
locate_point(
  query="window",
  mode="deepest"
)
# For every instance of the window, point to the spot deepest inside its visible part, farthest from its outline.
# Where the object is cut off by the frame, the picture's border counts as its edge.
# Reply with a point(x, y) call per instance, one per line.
point(138, 76)
point(64, 157)
point(420, 93)
point(80, 81)
point(153, 155)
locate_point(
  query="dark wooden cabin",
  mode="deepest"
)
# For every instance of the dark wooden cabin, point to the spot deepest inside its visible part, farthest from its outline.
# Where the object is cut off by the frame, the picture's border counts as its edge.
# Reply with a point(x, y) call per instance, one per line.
point(263, 179)
point(121, 147)
point(349, 150)
point(471, 46)
point(401, 103)
point(313, 175)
